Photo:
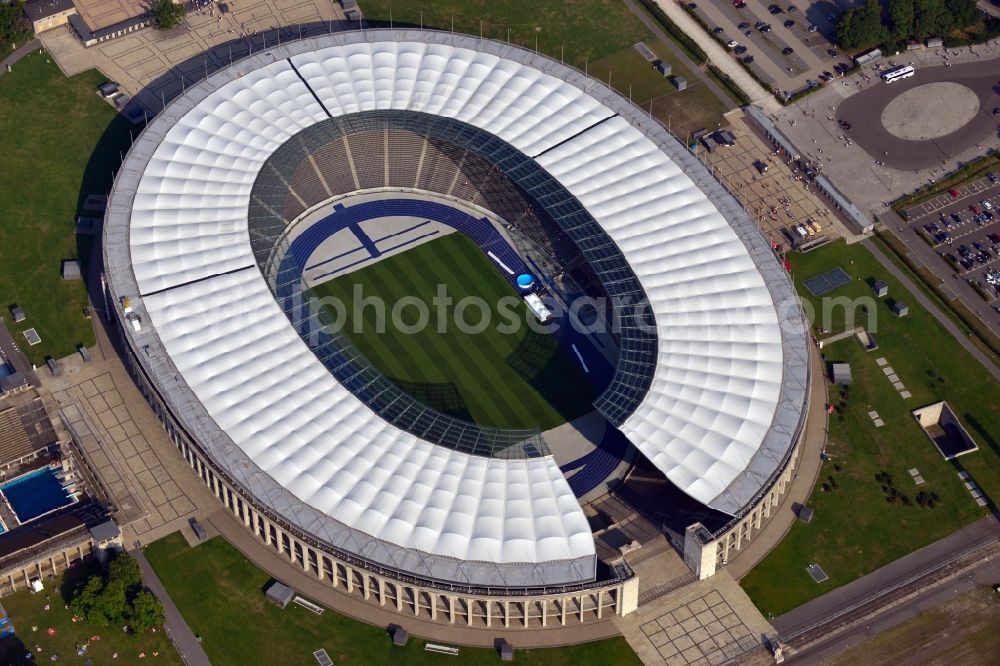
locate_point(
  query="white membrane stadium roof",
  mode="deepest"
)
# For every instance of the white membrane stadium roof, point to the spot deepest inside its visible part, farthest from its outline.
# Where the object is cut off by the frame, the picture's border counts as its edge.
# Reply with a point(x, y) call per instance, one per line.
point(717, 387)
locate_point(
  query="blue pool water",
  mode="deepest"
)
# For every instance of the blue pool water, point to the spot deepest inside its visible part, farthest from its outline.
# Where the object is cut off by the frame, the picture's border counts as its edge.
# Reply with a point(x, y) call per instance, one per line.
point(35, 493)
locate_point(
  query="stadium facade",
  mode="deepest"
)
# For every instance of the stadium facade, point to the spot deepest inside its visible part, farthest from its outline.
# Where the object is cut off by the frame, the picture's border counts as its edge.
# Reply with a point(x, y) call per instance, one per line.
point(329, 463)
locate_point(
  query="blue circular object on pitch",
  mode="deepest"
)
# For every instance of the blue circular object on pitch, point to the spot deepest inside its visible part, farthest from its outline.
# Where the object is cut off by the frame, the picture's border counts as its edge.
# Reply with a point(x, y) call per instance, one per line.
point(525, 281)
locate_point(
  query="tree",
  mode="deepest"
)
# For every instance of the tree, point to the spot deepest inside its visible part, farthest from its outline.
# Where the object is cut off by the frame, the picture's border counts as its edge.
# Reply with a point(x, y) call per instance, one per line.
point(125, 568)
point(86, 598)
point(146, 612)
point(861, 27)
point(14, 27)
point(109, 609)
point(931, 18)
point(901, 13)
point(167, 15)
point(963, 13)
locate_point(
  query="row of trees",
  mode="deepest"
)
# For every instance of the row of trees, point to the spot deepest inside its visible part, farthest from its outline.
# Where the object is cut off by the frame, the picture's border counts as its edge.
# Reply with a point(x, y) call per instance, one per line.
point(118, 598)
point(167, 15)
point(14, 27)
point(868, 25)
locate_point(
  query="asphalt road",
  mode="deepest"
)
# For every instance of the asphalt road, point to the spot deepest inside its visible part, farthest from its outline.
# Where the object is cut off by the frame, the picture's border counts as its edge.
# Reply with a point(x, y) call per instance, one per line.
point(987, 573)
point(864, 112)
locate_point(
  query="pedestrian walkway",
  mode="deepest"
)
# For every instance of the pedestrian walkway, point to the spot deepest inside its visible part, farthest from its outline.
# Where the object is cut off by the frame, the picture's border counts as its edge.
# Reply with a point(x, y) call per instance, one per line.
point(180, 633)
point(718, 57)
point(19, 53)
point(806, 472)
point(372, 613)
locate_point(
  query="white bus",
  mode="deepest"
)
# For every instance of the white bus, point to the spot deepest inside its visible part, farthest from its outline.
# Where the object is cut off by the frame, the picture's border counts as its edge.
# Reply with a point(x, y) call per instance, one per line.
point(898, 73)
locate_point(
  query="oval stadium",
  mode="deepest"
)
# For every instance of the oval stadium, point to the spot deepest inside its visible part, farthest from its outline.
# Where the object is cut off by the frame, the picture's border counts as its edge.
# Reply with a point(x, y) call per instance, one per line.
point(442, 473)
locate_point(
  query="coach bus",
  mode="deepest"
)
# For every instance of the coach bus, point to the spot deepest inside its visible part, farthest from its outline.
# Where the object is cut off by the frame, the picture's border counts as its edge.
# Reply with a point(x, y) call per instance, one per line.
point(898, 73)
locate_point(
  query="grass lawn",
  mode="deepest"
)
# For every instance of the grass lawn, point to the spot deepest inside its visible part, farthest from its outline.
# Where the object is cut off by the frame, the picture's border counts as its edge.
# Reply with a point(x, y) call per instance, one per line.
point(682, 111)
point(596, 35)
point(27, 610)
point(50, 127)
point(219, 593)
point(521, 379)
point(855, 530)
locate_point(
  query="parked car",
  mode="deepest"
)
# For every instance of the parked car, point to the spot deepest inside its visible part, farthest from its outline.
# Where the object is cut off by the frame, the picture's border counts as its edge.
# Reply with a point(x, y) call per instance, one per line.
point(789, 23)
point(732, 44)
point(957, 218)
point(788, 50)
point(993, 178)
point(954, 193)
point(760, 166)
point(812, 28)
point(740, 50)
point(775, 9)
point(748, 59)
point(792, 9)
point(743, 26)
point(717, 30)
point(986, 204)
point(739, 4)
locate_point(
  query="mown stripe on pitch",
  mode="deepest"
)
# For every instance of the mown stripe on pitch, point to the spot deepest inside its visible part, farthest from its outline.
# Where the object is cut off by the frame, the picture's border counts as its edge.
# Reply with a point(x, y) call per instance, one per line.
point(508, 389)
point(453, 351)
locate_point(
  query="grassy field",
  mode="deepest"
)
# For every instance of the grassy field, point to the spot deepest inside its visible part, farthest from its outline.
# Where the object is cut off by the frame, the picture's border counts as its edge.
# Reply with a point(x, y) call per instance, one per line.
point(596, 35)
point(682, 111)
point(521, 379)
point(219, 593)
point(27, 610)
point(855, 529)
point(50, 127)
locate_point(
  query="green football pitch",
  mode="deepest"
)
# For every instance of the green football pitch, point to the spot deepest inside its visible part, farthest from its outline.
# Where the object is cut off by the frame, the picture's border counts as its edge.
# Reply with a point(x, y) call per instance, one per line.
point(497, 377)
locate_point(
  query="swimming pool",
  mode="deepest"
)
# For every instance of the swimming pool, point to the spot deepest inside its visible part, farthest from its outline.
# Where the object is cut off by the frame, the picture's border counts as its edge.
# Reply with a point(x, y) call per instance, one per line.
point(35, 493)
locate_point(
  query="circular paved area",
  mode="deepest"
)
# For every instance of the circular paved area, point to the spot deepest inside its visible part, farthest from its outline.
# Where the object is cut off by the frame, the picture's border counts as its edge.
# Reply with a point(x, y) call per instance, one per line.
point(866, 109)
point(916, 114)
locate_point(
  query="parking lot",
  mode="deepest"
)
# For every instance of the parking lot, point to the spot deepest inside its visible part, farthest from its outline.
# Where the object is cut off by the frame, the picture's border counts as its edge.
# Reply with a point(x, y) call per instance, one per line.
point(963, 226)
point(788, 43)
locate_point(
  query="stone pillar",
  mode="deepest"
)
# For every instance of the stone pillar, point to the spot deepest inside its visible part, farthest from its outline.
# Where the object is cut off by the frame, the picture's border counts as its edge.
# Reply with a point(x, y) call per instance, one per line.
point(451, 610)
point(600, 603)
point(506, 614)
point(582, 597)
point(367, 592)
point(381, 591)
point(416, 601)
point(545, 612)
point(350, 578)
point(399, 597)
point(489, 613)
point(562, 610)
point(628, 596)
point(700, 551)
point(469, 605)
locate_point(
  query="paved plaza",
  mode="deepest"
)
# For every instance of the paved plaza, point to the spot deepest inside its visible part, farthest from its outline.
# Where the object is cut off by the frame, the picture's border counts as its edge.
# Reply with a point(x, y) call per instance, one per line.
point(777, 198)
point(706, 623)
point(812, 126)
point(155, 67)
point(135, 461)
